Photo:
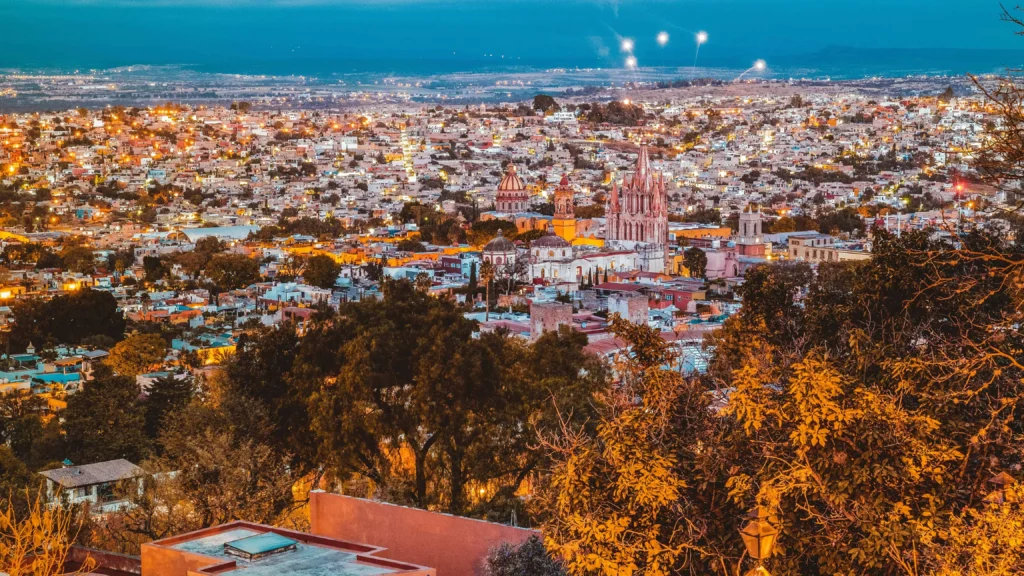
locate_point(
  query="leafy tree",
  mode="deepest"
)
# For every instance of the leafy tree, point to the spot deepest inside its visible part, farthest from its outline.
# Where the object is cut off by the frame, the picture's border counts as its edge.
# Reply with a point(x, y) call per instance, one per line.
point(33, 441)
point(137, 354)
point(226, 469)
point(66, 319)
point(263, 370)
point(106, 421)
point(483, 232)
point(620, 497)
point(374, 269)
point(154, 268)
point(783, 224)
point(410, 246)
point(35, 537)
point(79, 259)
point(210, 245)
point(545, 103)
point(406, 374)
point(487, 273)
point(167, 395)
point(696, 261)
point(233, 271)
point(14, 476)
point(526, 559)
point(321, 271)
point(704, 216)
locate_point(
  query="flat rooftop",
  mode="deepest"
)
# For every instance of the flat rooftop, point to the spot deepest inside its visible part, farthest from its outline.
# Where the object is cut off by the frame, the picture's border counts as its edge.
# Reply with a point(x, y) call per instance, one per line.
point(312, 555)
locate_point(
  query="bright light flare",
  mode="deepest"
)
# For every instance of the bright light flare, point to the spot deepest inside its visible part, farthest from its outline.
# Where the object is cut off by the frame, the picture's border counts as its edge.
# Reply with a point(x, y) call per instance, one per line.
point(631, 62)
point(662, 38)
point(627, 45)
point(702, 37)
point(760, 65)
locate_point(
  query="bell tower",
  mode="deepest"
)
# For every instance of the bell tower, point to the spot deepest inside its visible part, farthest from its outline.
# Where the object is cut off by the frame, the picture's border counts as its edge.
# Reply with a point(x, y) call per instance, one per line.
point(564, 221)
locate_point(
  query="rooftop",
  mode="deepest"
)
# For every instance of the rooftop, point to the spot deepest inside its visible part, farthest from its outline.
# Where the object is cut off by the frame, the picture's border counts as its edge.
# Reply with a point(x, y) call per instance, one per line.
point(98, 473)
point(266, 551)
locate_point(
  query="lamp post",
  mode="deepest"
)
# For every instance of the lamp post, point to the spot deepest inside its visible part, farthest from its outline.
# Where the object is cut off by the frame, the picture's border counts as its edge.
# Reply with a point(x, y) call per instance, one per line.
point(759, 536)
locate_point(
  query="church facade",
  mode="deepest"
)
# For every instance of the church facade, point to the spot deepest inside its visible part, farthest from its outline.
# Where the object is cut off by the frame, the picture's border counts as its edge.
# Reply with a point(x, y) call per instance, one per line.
point(638, 215)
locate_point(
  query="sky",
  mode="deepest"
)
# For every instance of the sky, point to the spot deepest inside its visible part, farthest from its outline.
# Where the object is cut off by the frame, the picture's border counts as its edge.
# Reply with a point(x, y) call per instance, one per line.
point(296, 35)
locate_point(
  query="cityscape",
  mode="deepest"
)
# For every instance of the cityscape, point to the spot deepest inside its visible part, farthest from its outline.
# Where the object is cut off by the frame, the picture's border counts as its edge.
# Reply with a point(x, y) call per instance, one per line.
point(677, 308)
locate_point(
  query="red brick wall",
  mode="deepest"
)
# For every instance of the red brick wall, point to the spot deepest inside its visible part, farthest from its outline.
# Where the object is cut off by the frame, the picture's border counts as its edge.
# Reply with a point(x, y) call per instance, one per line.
point(454, 546)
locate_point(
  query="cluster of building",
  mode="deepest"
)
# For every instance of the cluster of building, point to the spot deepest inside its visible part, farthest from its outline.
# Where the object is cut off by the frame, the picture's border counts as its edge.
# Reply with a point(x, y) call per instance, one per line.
point(576, 216)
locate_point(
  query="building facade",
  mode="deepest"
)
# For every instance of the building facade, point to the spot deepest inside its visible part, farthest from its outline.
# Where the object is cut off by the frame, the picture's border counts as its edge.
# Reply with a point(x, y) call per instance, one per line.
point(638, 214)
point(512, 196)
point(564, 221)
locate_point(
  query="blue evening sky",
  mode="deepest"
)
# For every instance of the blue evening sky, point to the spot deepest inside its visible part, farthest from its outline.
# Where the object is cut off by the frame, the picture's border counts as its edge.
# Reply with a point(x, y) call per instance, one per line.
point(224, 35)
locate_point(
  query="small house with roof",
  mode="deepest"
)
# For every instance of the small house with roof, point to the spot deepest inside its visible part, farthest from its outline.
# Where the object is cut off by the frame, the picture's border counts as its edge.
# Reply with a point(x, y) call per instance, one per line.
point(93, 484)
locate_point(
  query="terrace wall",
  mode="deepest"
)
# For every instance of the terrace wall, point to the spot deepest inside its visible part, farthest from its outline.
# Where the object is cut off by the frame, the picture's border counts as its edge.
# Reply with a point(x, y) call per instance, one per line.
point(453, 545)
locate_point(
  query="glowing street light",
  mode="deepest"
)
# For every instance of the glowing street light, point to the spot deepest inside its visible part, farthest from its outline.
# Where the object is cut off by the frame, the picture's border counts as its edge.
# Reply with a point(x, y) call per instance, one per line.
point(759, 536)
point(662, 38)
point(702, 37)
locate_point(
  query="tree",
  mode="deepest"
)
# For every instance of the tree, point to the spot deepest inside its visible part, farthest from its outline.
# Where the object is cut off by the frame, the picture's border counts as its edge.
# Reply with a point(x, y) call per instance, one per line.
point(618, 496)
point(154, 268)
point(545, 103)
point(224, 470)
point(783, 224)
point(483, 232)
point(263, 371)
point(66, 319)
point(233, 271)
point(407, 398)
point(410, 246)
point(79, 259)
point(487, 275)
point(210, 245)
point(137, 354)
point(472, 278)
point(227, 470)
point(696, 261)
point(14, 475)
point(106, 421)
point(35, 538)
point(167, 395)
point(423, 282)
point(321, 271)
point(526, 559)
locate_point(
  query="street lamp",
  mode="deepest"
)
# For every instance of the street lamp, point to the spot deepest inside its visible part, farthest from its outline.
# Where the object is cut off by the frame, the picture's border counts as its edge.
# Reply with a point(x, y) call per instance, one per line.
point(759, 536)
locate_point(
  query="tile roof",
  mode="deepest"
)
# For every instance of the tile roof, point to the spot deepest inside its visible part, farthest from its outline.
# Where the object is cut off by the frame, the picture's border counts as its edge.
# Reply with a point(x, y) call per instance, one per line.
point(97, 473)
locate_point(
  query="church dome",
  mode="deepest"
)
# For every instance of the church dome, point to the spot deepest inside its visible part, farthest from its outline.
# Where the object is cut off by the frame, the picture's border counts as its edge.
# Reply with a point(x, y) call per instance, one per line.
point(500, 244)
point(549, 241)
point(511, 182)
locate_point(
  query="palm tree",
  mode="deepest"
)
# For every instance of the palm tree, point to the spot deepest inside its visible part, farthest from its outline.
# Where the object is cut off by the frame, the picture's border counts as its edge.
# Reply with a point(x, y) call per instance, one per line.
point(487, 274)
